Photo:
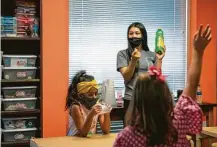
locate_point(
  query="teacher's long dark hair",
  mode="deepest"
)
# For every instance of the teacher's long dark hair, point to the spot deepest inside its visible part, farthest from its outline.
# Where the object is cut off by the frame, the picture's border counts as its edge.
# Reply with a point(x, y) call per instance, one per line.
point(145, 47)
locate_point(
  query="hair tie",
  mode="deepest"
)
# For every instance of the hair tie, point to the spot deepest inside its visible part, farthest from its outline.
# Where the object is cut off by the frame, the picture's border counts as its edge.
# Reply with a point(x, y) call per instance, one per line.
point(153, 71)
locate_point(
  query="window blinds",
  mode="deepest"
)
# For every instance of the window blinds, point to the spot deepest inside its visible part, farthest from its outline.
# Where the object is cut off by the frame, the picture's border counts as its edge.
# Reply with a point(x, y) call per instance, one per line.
point(98, 30)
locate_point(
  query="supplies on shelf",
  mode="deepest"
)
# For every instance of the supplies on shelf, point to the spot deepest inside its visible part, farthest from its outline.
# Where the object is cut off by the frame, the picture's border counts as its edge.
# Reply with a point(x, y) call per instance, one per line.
point(1, 64)
point(22, 73)
point(27, 23)
point(20, 95)
point(19, 67)
point(27, 26)
point(19, 92)
point(19, 60)
point(19, 122)
point(18, 128)
point(8, 26)
point(18, 134)
point(24, 23)
point(19, 104)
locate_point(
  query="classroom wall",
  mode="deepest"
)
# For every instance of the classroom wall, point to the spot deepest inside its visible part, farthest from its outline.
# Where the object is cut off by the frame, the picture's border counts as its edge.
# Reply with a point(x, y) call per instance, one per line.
point(54, 66)
point(205, 12)
point(55, 59)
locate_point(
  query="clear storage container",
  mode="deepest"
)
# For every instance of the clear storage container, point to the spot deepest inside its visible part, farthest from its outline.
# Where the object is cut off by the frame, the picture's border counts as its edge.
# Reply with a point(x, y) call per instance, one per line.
point(19, 123)
point(18, 134)
point(19, 104)
point(12, 73)
point(19, 60)
point(19, 92)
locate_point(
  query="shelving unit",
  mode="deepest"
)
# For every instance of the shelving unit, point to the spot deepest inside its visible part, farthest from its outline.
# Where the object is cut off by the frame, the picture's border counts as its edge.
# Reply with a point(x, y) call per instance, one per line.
point(20, 113)
point(22, 46)
point(17, 38)
point(17, 143)
point(17, 81)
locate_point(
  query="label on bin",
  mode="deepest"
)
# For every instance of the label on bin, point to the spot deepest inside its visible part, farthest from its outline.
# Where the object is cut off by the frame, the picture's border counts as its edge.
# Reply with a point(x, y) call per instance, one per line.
point(20, 94)
point(21, 106)
point(21, 63)
point(21, 74)
point(18, 136)
point(18, 62)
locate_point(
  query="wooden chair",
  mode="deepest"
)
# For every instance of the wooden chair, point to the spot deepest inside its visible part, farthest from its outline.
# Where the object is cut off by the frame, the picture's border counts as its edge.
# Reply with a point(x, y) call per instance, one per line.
point(189, 138)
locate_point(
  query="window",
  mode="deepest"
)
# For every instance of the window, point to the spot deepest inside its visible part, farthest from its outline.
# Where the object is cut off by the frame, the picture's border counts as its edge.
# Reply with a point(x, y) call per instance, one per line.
point(98, 30)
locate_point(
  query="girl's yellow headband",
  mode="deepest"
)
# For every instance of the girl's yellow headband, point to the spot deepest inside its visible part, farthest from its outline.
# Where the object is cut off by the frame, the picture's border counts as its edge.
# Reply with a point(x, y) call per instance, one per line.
point(85, 87)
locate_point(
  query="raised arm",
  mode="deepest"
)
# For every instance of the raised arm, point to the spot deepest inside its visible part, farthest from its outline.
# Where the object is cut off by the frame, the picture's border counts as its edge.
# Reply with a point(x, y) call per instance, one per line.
point(201, 40)
point(159, 58)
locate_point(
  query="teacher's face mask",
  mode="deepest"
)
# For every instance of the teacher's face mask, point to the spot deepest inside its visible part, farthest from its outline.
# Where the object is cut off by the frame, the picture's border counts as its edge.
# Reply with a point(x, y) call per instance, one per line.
point(134, 42)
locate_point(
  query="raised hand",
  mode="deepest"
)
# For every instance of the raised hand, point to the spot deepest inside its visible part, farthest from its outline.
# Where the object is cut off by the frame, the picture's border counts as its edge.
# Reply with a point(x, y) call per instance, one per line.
point(202, 39)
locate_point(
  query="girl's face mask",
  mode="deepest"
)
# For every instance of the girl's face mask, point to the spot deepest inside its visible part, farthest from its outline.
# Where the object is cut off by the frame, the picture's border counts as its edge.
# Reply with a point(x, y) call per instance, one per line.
point(88, 102)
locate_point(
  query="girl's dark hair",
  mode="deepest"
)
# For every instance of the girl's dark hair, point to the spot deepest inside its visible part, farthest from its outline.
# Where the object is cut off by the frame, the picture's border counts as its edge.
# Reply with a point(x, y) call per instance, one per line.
point(144, 41)
point(72, 97)
point(151, 111)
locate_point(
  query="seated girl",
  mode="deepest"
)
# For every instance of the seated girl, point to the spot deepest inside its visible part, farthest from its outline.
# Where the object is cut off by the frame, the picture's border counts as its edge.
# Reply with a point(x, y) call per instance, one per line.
point(152, 119)
point(83, 106)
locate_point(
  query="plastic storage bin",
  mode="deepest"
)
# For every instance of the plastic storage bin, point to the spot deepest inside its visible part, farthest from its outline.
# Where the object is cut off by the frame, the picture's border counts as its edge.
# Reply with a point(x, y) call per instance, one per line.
point(19, 60)
point(19, 123)
point(19, 104)
point(18, 134)
point(8, 33)
point(13, 73)
point(19, 92)
point(5, 20)
point(8, 26)
point(1, 72)
point(1, 64)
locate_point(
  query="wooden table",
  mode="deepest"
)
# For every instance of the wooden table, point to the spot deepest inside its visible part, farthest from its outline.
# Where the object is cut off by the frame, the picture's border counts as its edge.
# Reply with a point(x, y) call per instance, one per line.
point(207, 109)
point(210, 131)
point(69, 141)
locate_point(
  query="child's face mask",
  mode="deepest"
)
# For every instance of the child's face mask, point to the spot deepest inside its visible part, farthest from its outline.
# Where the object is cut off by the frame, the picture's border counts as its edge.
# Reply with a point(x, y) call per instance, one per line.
point(88, 102)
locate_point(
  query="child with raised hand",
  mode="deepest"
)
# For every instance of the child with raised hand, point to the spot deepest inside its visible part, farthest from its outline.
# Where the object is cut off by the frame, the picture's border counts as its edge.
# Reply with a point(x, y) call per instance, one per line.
point(83, 106)
point(152, 119)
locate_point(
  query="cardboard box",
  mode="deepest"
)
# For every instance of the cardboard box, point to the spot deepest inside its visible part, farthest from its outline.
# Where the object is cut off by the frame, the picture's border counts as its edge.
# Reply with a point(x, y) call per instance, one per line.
point(69, 141)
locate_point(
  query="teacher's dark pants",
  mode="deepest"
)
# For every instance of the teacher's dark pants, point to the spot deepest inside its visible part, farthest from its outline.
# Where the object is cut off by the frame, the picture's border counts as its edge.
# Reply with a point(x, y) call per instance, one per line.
point(126, 105)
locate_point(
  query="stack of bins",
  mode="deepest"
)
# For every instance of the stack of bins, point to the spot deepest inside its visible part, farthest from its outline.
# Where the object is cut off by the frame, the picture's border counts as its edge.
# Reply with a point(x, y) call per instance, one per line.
point(20, 98)
point(19, 67)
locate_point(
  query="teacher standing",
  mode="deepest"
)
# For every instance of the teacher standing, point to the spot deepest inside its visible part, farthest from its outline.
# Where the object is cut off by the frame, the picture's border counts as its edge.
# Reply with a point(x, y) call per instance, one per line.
point(135, 59)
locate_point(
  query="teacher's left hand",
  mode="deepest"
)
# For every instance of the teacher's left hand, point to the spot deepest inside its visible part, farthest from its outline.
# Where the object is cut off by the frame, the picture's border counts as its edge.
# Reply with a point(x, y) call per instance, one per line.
point(161, 56)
